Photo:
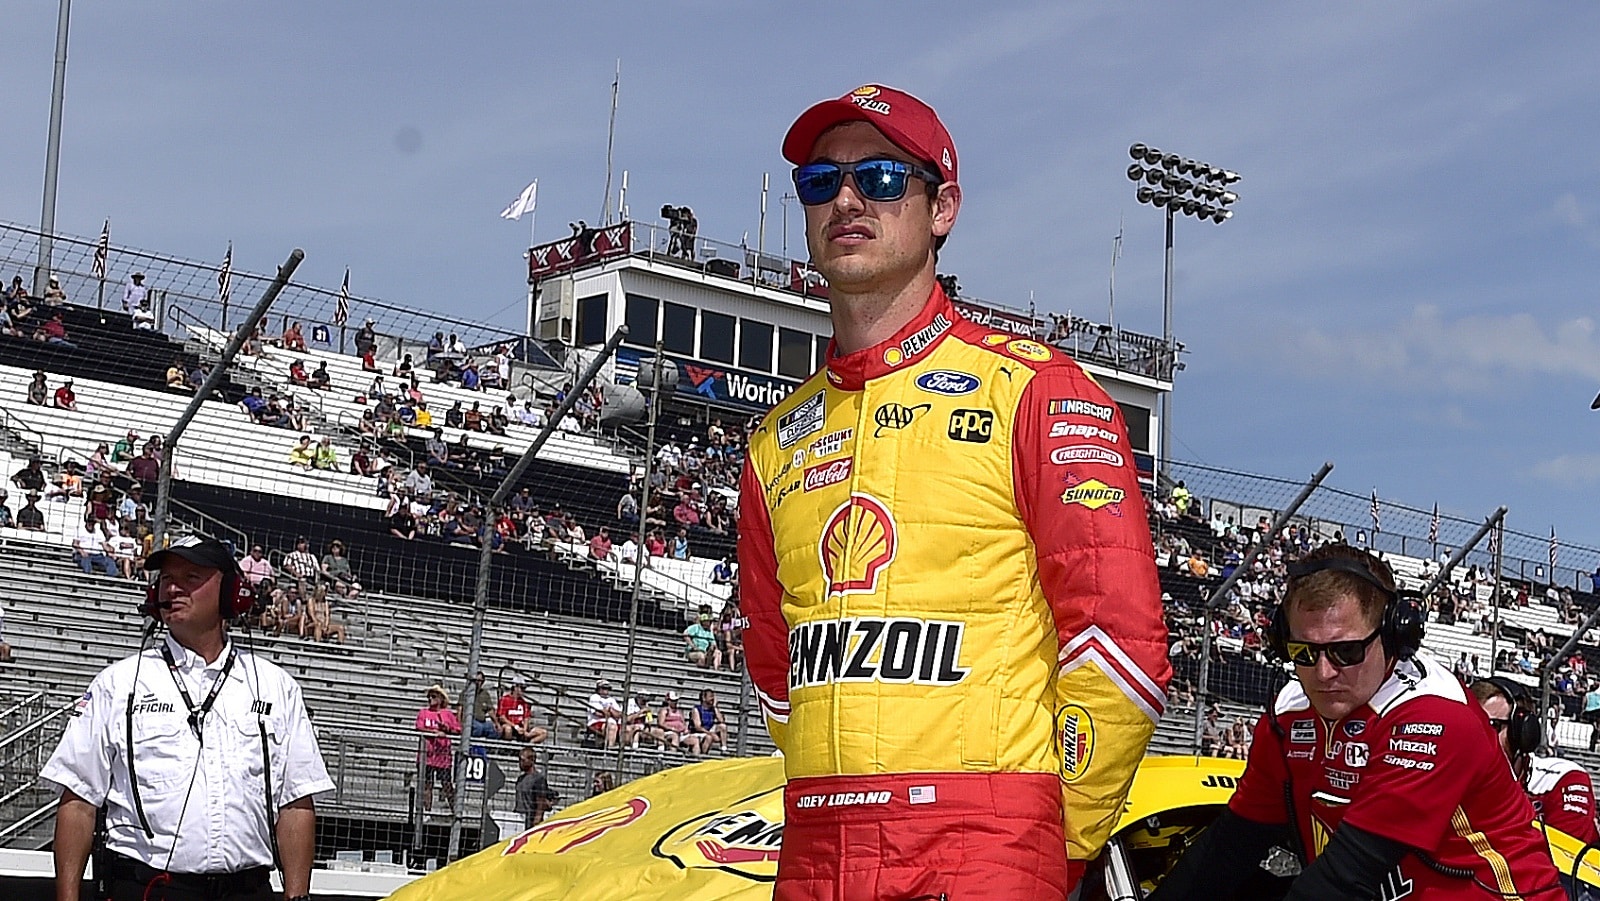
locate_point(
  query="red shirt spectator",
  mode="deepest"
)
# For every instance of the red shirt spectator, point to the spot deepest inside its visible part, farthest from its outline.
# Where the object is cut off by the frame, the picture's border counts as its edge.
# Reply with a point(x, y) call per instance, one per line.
point(685, 513)
point(655, 546)
point(600, 544)
point(65, 398)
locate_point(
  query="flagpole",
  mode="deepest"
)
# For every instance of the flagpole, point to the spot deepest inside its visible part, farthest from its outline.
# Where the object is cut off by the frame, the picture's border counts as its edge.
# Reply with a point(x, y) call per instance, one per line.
point(611, 134)
point(1494, 632)
point(101, 251)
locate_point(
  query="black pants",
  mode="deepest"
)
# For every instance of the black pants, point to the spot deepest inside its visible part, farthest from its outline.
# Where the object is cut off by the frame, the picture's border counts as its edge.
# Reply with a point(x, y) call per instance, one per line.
point(133, 881)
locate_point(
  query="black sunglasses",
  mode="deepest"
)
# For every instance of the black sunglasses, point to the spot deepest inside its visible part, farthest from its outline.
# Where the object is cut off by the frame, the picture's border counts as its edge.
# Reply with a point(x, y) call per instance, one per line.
point(880, 180)
point(1340, 653)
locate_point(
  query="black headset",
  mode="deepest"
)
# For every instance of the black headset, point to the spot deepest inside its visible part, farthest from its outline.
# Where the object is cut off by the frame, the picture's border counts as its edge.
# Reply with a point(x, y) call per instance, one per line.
point(1524, 735)
point(1404, 616)
point(234, 599)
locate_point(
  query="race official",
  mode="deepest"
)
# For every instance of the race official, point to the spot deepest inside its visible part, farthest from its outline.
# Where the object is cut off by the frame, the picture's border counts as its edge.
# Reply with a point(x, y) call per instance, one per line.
point(1389, 775)
point(200, 753)
point(955, 622)
point(1561, 791)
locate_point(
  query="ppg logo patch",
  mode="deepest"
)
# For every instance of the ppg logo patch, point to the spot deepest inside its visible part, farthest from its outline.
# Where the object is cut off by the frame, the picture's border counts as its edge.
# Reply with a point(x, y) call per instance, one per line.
point(976, 426)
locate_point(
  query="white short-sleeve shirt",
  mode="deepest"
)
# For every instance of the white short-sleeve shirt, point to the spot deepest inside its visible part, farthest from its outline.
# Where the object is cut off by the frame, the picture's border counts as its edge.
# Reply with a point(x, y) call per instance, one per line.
point(224, 826)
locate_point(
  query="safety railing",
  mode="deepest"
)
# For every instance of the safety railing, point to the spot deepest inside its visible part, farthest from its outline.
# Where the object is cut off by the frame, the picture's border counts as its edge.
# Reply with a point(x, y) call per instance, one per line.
point(10, 423)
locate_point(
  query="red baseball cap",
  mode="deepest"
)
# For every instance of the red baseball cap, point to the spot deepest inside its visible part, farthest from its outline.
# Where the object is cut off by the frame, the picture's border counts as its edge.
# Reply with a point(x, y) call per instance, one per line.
point(907, 122)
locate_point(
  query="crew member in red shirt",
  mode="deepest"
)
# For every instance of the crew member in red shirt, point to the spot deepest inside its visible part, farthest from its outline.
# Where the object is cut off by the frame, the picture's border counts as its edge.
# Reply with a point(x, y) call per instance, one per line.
point(1561, 791)
point(1390, 778)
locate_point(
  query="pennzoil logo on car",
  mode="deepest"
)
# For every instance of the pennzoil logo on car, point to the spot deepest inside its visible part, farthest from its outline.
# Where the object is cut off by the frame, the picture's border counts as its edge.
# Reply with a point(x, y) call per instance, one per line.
point(948, 382)
point(900, 650)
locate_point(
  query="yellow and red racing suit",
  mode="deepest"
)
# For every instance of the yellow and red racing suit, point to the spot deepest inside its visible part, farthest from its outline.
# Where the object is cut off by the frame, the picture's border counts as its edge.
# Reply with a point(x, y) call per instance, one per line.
point(956, 632)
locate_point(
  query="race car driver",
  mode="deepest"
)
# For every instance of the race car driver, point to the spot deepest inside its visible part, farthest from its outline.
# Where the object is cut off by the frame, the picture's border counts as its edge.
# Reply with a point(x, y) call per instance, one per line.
point(1561, 791)
point(1391, 777)
point(955, 623)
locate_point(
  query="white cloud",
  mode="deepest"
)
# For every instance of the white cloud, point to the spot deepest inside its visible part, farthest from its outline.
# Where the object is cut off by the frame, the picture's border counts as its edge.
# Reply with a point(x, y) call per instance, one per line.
point(1568, 470)
point(1466, 353)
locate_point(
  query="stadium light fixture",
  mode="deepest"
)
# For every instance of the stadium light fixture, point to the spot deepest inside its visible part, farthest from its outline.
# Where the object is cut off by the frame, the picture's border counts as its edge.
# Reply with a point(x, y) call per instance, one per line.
point(1182, 186)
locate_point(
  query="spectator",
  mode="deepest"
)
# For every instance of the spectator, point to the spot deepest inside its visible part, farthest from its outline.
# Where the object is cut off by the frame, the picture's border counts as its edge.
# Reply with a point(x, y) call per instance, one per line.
point(122, 451)
point(253, 403)
point(297, 372)
point(628, 508)
point(483, 719)
point(435, 347)
point(38, 390)
point(5, 649)
point(676, 727)
point(454, 417)
point(302, 454)
point(404, 369)
point(322, 624)
point(301, 565)
point(600, 544)
point(66, 398)
point(628, 552)
point(69, 483)
point(144, 318)
point(361, 463)
point(8, 325)
point(320, 380)
point(654, 545)
point(255, 566)
point(132, 510)
point(470, 379)
point(730, 634)
point(700, 643)
point(1212, 738)
point(30, 477)
point(419, 484)
point(534, 797)
point(514, 715)
point(53, 295)
point(1238, 738)
point(680, 545)
point(126, 551)
point(366, 338)
point(424, 416)
point(30, 517)
point(723, 573)
point(54, 332)
point(401, 522)
point(198, 375)
point(146, 467)
point(604, 714)
point(89, 549)
point(293, 340)
point(177, 380)
point(134, 293)
point(99, 462)
point(641, 722)
point(472, 420)
point(685, 513)
point(326, 457)
point(437, 722)
point(7, 521)
point(707, 722)
point(529, 416)
point(337, 573)
point(497, 421)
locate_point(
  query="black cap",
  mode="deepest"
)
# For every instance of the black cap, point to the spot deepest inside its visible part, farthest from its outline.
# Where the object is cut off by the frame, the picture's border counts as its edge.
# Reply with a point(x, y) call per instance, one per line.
point(200, 551)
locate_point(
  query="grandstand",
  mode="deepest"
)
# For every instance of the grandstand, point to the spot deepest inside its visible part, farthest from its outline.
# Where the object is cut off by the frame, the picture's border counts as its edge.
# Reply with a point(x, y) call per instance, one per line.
point(557, 614)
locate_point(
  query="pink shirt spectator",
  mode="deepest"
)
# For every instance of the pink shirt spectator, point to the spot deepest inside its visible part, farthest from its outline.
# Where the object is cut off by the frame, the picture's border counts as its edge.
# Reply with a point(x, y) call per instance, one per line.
point(438, 746)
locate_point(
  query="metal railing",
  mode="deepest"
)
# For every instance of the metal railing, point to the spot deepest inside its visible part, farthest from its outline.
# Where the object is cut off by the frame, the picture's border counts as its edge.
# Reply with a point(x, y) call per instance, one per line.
point(10, 423)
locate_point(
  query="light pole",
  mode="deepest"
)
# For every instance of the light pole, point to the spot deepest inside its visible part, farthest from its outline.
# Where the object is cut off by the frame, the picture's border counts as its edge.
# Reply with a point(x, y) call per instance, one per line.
point(1178, 185)
point(784, 199)
point(52, 156)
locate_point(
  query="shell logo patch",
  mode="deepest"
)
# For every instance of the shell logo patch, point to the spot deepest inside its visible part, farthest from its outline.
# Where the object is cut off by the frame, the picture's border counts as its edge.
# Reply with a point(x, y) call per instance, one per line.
point(866, 97)
point(858, 541)
point(556, 836)
point(1075, 732)
point(742, 838)
point(865, 92)
point(893, 357)
point(1030, 350)
point(995, 340)
point(1092, 494)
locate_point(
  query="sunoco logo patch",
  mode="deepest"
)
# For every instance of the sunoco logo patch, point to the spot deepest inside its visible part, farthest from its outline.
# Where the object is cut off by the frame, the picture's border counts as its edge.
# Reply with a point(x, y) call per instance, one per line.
point(1093, 494)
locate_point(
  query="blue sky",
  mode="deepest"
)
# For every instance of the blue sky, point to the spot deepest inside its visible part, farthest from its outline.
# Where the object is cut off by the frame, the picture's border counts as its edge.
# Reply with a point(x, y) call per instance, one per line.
point(1408, 288)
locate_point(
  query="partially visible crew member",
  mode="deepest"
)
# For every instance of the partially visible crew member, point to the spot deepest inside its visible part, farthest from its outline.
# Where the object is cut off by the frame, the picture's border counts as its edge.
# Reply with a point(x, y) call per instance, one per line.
point(1391, 778)
point(200, 752)
point(1561, 791)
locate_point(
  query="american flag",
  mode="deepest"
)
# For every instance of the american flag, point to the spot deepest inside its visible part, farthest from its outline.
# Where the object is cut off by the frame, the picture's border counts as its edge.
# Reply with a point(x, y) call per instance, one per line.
point(225, 276)
point(1433, 525)
point(1553, 545)
point(1494, 539)
point(341, 312)
point(98, 267)
point(1377, 525)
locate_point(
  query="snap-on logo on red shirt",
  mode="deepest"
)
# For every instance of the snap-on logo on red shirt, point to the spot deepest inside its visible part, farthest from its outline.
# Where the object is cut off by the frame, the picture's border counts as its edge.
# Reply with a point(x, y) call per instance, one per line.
point(828, 474)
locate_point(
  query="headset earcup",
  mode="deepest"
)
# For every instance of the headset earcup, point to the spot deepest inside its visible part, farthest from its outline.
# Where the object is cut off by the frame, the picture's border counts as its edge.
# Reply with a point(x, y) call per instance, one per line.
point(237, 597)
point(1277, 637)
point(1524, 735)
point(152, 596)
point(1403, 626)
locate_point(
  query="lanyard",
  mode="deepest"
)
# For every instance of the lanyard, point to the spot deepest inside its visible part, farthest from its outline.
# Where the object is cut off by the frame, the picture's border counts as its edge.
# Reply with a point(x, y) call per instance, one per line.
point(197, 716)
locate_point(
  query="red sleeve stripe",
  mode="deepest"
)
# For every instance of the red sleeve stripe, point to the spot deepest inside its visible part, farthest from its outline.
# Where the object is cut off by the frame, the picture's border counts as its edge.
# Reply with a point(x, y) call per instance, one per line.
point(1093, 644)
point(774, 708)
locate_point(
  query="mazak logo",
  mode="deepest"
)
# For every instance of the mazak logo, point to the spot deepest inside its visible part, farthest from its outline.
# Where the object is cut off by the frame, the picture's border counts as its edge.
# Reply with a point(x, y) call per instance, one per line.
point(948, 382)
point(742, 838)
point(976, 426)
point(1064, 429)
point(828, 474)
point(1407, 746)
point(900, 651)
point(557, 836)
point(896, 416)
point(858, 541)
point(1075, 406)
point(1075, 732)
point(1092, 494)
point(1085, 453)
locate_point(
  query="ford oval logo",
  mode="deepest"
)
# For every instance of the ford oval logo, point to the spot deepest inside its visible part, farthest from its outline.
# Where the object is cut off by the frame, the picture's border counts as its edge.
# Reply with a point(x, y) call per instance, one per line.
point(948, 382)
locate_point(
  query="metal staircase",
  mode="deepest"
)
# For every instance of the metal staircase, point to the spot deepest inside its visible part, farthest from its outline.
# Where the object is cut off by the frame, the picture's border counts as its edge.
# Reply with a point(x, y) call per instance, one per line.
point(30, 729)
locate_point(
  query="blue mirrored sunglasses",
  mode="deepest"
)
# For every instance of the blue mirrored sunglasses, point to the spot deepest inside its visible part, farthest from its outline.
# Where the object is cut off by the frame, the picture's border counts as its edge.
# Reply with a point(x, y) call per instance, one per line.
point(879, 180)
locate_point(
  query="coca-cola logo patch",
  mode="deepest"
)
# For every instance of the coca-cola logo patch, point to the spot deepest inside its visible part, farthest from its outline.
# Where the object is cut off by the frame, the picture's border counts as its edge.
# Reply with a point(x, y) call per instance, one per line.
point(828, 474)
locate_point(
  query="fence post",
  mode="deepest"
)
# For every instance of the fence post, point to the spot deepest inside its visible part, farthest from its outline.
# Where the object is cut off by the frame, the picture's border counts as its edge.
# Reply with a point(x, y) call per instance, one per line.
point(1202, 684)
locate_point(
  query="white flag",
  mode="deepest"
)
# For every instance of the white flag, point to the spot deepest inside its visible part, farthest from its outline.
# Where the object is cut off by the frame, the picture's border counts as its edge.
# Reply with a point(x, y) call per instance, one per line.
point(524, 202)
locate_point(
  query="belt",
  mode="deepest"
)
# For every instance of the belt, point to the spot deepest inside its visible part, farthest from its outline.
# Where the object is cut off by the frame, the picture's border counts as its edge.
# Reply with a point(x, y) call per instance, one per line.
point(209, 884)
